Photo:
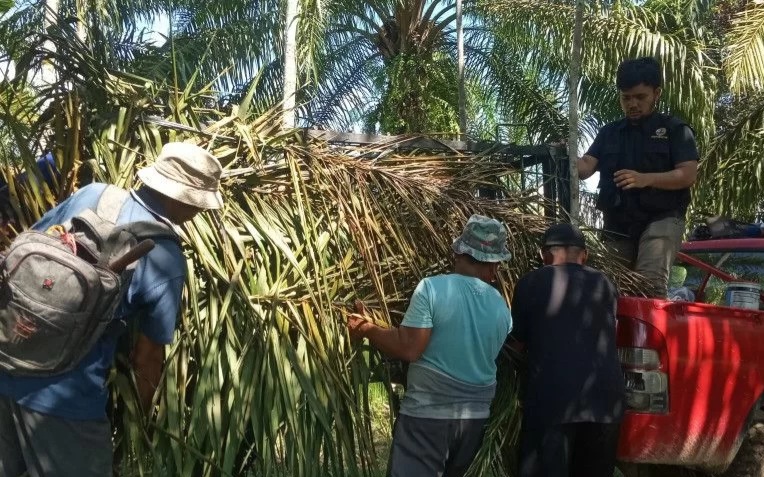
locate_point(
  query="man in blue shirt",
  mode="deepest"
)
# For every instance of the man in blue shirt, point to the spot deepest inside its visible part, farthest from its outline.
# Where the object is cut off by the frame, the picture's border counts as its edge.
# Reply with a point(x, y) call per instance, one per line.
point(451, 334)
point(57, 426)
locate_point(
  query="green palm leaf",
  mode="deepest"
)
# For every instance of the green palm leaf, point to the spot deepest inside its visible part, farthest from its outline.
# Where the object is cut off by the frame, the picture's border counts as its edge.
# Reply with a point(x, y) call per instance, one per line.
point(744, 64)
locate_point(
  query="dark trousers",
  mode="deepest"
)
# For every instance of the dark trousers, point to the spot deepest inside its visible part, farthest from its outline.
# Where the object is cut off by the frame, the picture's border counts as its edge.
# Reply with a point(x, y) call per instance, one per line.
point(38, 445)
point(582, 449)
point(434, 447)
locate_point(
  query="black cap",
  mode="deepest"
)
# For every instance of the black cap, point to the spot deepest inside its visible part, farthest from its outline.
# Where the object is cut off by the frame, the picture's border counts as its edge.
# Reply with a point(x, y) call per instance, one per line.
point(563, 235)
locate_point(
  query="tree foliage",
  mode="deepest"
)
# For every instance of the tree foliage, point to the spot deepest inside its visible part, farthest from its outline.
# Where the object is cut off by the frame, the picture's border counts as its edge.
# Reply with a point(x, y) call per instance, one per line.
point(262, 378)
point(420, 96)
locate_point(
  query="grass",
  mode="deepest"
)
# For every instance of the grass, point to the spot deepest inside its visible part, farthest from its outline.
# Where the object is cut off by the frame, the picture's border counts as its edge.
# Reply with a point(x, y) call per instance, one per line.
point(381, 425)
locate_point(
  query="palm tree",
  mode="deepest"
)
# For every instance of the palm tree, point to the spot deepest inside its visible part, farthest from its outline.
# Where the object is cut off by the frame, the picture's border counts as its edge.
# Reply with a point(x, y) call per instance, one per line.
point(612, 33)
point(575, 76)
point(731, 174)
point(397, 51)
point(391, 65)
point(460, 66)
point(290, 62)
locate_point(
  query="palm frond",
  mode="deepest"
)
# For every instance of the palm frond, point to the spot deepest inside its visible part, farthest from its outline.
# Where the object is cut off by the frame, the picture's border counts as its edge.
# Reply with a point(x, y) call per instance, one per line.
point(731, 178)
point(610, 36)
point(744, 63)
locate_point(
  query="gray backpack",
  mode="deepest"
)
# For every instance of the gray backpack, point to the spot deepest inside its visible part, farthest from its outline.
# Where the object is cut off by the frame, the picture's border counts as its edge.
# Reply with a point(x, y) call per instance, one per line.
point(59, 290)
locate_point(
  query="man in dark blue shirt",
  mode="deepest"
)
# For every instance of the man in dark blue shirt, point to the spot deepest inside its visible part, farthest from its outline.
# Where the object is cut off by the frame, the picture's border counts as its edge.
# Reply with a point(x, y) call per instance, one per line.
point(57, 426)
point(647, 163)
point(573, 399)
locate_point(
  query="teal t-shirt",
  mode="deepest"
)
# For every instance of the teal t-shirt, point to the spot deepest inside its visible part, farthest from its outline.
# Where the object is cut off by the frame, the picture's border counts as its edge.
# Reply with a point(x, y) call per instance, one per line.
point(470, 322)
point(455, 376)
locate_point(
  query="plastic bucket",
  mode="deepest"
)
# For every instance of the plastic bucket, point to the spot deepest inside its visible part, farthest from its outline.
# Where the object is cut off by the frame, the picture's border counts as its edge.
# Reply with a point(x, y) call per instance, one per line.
point(743, 295)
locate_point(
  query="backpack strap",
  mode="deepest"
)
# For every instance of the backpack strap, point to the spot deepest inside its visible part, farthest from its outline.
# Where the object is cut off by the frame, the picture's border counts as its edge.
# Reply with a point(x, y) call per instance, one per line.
point(110, 203)
point(97, 230)
point(147, 229)
point(103, 220)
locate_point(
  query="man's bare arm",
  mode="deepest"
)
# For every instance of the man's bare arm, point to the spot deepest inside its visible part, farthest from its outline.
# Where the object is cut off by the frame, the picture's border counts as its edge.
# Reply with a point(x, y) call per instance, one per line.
point(401, 342)
point(147, 359)
point(587, 166)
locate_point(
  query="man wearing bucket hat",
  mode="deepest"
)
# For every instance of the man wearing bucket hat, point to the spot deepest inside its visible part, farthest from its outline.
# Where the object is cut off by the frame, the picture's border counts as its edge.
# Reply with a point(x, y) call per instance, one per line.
point(573, 400)
point(57, 426)
point(452, 332)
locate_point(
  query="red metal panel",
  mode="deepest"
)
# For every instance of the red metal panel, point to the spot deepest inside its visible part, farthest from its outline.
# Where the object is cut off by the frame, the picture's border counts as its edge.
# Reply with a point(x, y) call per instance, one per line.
point(714, 358)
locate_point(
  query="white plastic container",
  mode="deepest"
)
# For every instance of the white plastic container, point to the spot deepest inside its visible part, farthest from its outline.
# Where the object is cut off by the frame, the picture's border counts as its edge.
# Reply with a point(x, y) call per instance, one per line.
point(743, 295)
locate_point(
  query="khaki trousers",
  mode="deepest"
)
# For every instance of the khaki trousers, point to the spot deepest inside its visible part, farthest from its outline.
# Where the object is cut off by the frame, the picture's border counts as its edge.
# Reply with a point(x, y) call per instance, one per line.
point(653, 254)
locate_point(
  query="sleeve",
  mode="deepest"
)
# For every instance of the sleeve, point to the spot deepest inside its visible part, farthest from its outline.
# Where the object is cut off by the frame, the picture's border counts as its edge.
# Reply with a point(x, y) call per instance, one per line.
point(419, 312)
point(683, 146)
point(595, 150)
point(612, 296)
point(158, 323)
point(156, 290)
point(518, 311)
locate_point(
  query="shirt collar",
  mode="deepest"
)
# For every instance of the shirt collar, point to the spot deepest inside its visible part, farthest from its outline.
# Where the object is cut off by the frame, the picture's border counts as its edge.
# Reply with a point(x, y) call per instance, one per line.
point(647, 124)
point(150, 203)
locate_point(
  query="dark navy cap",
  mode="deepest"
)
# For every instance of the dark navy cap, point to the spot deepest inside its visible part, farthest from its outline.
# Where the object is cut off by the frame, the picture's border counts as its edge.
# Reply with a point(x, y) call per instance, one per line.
point(563, 235)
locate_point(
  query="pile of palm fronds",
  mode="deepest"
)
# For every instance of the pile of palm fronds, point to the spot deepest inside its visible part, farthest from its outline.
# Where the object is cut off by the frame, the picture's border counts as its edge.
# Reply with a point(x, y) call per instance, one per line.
point(262, 379)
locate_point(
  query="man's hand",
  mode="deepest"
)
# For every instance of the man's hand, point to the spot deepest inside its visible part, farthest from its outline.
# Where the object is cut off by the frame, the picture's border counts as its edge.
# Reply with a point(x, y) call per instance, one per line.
point(357, 322)
point(587, 166)
point(628, 179)
point(400, 342)
point(357, 326)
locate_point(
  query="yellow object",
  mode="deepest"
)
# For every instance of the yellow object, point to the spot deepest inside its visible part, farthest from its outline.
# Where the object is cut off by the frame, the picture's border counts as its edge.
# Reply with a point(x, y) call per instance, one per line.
point(56, 230)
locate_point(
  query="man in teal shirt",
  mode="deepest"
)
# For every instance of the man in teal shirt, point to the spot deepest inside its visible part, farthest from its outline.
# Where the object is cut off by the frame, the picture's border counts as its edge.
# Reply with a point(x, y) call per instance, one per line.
point(451, 334)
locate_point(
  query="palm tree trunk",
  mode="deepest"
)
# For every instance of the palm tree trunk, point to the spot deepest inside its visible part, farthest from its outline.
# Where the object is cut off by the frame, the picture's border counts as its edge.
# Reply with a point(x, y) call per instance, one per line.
point(290, 63)
point(460, 69)
point(575, 77)
point(48, 73)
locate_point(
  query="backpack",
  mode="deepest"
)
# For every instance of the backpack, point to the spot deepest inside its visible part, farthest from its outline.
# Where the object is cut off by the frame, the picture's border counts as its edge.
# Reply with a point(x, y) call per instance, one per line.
point(60, 289)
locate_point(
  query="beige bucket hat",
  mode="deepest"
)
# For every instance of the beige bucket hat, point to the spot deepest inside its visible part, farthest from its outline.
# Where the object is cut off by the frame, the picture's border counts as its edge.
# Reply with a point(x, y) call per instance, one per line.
point(187, 173)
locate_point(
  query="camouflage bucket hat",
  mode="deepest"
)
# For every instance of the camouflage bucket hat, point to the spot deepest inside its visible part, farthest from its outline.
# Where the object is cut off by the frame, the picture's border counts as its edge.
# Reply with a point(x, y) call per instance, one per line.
point(484, 239)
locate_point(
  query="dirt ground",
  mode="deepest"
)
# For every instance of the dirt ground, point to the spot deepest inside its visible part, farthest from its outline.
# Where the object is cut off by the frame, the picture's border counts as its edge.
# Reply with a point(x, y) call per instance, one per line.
point(750, 458)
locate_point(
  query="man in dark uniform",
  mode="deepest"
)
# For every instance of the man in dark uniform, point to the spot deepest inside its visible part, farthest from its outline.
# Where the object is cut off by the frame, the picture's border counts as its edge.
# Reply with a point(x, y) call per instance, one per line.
point(573, 398)
point(647, 163)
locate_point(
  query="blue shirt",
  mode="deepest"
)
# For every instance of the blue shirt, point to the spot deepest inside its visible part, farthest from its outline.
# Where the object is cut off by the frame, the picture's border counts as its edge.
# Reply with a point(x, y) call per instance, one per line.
point(153, 298)
point(470, 322)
